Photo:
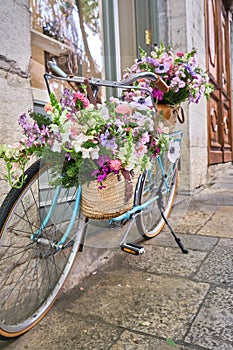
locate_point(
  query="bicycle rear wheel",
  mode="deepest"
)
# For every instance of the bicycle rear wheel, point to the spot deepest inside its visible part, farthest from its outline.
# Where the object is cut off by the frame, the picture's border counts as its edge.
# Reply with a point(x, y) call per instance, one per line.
point(150, 222)
point(32, 273)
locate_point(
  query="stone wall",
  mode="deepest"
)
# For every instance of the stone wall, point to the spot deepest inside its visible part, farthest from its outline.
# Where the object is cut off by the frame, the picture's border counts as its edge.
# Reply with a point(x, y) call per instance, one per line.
point(15, 92)
point(186, 29)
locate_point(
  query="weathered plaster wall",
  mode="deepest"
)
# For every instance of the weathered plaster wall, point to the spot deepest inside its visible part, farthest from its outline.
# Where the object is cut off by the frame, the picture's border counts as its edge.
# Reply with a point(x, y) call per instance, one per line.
point(15, 53)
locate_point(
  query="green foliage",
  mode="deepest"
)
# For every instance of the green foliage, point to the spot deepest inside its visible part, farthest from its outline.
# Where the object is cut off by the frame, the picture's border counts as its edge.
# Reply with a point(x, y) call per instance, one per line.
point(90, 13)
point(41, 119)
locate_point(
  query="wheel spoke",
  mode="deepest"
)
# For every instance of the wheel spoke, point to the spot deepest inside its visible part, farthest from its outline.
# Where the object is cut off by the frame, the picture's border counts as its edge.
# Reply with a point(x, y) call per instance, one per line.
point(31, 272)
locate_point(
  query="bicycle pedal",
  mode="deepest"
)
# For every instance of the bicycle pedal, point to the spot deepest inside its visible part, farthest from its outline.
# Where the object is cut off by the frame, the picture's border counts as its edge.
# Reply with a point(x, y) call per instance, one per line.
point(132, 248)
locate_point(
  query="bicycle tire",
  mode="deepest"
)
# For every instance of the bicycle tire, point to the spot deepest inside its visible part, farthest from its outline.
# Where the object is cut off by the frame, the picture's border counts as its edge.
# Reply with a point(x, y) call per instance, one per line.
point(150, 222)
point(32, 275)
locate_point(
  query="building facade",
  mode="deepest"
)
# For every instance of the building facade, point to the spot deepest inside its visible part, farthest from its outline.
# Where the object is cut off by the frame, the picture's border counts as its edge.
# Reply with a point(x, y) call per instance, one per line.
point(101, 38)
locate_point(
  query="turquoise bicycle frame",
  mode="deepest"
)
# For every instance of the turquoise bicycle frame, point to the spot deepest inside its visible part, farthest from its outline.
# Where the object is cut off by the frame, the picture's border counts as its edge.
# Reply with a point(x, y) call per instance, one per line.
point(126, 216)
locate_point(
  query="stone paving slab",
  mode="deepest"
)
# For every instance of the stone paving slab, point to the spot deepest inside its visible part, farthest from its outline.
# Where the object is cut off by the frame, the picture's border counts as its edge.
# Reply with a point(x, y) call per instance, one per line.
point(213, 326)
point(68, 331)
point(212, 198)
point(220, 224)
point(168, 261)
point(194, 242)
point(141, 302)
point(218, 267)
point(131, 341)
point(223, 185)
point(192, 221)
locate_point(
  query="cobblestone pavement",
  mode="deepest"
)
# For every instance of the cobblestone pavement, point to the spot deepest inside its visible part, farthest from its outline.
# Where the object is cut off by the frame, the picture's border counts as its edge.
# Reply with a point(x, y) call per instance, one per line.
point(160, 300)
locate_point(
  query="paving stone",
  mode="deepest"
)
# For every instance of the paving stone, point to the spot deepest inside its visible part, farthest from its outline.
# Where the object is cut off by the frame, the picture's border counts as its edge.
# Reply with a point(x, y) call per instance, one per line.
point(223, 185)
point(192, 221)
point(225, 179)
point(216, 226)
point(219, 265)
point(66, 331)
point(194, 242)
point(212, 328)
point(213, 198)
point(141, 302)
point(167, 260)
point(133, 341)
point(136, 303)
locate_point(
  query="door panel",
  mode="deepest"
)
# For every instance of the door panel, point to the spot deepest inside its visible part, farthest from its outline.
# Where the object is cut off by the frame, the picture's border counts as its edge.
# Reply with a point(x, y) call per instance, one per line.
point(218, 64)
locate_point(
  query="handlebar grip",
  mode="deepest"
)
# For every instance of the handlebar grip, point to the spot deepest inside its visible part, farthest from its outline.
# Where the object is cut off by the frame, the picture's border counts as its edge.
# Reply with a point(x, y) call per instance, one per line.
point(57, 69)
point(161, 85)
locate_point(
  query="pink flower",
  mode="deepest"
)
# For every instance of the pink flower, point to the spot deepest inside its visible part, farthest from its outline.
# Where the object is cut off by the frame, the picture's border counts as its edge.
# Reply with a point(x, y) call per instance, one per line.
point(180, 54)
point(74, 131)
point(69, 115)
point(140, 150)
point(78, 95)
point(145, 138)
point(81, 97)
point(123, 109)
point(115, 164)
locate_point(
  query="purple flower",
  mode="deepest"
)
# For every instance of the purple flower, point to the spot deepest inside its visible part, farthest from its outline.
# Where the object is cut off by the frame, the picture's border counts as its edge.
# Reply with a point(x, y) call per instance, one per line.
point(151, 61)
point(106, 141)
point(189, 68)
point(95, 172)
point(24, 123)
point(101, 177)
point(157, 94)
point(162, 68)
point(68, 156)
point(44, 130)
point(102, 160)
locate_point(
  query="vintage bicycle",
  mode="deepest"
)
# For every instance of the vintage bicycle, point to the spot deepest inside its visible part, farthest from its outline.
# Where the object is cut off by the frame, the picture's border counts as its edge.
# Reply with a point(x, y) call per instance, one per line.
point(42, 228)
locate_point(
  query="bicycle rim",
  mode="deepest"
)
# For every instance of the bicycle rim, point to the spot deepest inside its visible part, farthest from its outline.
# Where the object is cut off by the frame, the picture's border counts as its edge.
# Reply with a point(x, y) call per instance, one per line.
point(32, 274)
point(149, 222)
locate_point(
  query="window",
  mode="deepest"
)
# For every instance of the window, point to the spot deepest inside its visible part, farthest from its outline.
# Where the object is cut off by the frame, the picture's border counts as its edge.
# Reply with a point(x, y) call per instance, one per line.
point(97, 38)
point(68, 32)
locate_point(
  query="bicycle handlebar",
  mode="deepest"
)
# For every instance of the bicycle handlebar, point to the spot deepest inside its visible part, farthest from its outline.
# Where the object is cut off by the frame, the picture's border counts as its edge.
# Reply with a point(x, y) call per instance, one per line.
point(159, 83)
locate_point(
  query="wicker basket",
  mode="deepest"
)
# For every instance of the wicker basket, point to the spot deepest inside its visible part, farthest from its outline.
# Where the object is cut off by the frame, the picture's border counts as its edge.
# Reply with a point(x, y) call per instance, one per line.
point(111, 201)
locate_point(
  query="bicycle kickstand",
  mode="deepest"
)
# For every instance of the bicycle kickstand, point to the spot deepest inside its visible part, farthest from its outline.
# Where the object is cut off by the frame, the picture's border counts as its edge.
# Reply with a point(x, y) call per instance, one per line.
point(161, 208)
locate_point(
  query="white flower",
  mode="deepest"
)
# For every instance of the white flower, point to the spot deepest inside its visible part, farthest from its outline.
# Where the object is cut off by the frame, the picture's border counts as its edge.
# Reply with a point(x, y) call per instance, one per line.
point(54, 128)
point(66, 131)
point(104, 112)
point(162, 128)
point(56, 147)
point(173, 151)
point(91, 152)
point(80, 139)
point(63, 116)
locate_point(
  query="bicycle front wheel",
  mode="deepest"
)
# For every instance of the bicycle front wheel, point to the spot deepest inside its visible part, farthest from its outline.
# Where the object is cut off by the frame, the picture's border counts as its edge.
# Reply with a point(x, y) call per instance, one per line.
point(32, 272)
point(150, 222)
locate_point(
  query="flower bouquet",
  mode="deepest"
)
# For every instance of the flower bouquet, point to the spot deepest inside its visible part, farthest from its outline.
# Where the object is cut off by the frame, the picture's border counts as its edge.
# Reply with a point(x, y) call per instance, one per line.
point(87, 144)
point(181, 72)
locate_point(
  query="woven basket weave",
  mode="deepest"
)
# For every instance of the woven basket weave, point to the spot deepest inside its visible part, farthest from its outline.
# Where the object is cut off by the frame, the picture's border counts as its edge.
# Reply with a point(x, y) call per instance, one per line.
point(109, 202)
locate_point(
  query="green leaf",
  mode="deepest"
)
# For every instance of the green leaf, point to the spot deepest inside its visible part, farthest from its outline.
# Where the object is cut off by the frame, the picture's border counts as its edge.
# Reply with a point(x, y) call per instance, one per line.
point(170, 342)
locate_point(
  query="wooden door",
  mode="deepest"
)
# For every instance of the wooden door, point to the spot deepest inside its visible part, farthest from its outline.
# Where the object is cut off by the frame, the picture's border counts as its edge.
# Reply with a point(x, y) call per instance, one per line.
point(218, 64)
